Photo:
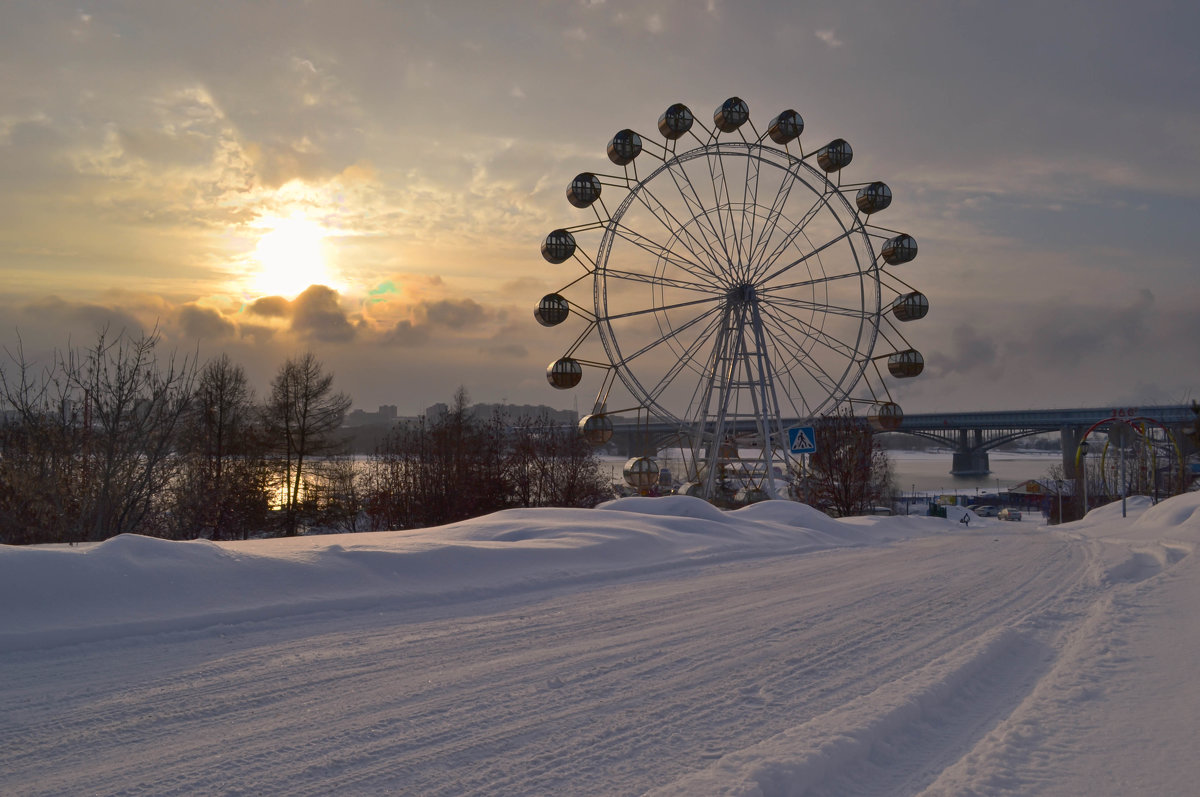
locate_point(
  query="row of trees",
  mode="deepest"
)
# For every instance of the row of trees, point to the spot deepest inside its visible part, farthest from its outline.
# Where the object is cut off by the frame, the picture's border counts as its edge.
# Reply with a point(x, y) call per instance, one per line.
point(458, 466)
point(119, 437)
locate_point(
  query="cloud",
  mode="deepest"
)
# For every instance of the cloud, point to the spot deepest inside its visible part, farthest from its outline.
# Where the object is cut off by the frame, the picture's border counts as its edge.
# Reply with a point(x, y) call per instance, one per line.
point(316, 314)
point(205, 323)
point(829, 37)
point(435, 316)
point(512, 350)
point(259, 333)
point(971, 352)
point(1063, 337)
point(405, 333)
point(452, 313)
point(56, 313)
point(271, 307)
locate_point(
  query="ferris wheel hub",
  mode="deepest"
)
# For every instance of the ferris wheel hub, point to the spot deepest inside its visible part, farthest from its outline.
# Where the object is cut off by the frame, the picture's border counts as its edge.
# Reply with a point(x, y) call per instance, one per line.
point(742, 294)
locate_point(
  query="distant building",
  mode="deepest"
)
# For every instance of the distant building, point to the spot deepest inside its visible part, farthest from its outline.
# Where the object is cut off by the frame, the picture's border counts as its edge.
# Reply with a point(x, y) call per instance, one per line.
point(510, 412)
point(387, 415)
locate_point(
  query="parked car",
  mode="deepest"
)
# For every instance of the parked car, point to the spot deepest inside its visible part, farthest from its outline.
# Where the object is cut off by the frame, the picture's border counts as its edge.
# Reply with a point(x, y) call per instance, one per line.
point(987, 510)
point(1009, 514)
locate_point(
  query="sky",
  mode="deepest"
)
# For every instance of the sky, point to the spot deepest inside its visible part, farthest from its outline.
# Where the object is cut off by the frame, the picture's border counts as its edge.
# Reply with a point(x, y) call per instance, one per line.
point(649, 646)
point(372, 180)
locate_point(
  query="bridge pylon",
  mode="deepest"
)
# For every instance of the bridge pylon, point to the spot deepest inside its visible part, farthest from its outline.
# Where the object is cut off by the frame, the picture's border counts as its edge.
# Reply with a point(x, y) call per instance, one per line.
point(970, 455)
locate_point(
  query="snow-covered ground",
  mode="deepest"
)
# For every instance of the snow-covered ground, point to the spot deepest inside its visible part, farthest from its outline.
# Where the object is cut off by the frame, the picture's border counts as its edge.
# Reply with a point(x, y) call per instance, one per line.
point(652, 645)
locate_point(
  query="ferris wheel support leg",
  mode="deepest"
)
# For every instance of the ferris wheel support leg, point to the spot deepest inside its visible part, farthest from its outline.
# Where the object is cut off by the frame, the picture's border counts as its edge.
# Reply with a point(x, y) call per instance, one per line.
point(724, 364)
point(767, 408)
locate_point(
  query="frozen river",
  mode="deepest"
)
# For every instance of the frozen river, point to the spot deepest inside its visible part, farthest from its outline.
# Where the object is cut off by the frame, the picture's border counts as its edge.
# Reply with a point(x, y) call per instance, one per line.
point(930, 472)
point(927, 472)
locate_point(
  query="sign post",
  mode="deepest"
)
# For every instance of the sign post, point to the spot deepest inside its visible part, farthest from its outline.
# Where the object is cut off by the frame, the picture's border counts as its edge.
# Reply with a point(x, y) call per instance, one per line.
point(802, 440)
point(1121, 434)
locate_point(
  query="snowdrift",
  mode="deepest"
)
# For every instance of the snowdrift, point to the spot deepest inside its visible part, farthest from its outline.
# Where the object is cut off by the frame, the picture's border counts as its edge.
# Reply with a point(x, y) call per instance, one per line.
point(133, 584)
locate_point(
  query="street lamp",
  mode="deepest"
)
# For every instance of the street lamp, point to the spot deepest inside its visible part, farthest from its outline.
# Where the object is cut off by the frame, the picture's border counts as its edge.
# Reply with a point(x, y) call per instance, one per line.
point(1058, 484)
point(1083, 452)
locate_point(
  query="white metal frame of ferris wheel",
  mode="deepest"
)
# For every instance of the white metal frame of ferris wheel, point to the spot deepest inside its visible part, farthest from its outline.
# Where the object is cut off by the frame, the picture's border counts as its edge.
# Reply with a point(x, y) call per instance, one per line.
point(714, 262)
point(736, 371)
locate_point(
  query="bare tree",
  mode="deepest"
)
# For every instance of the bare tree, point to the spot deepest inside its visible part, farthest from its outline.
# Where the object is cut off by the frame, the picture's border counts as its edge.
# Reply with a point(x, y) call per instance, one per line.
point(549, 465)
point(338, 494)
point(224, 491)
point(97, 430)
point(850, 471)
point(303, 412)
point(40, 454)
point(458, 466)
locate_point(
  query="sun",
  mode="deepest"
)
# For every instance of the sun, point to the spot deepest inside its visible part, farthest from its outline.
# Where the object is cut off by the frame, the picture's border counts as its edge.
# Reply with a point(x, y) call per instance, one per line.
point(290, 256)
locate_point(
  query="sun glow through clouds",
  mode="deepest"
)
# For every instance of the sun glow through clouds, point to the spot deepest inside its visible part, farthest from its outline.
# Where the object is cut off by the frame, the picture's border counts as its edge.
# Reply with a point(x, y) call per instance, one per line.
point(290, 256)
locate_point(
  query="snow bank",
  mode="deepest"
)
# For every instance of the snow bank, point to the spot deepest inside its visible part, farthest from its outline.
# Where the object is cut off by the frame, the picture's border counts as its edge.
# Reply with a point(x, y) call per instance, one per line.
point(133, 584)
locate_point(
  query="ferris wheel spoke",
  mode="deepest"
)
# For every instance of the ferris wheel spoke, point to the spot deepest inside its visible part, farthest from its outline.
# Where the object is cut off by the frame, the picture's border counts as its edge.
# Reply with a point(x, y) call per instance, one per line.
point(736, 220)
point(721, 189)
point(686, 358)
point(817, 334)
point(660, 252)
point(700, 404)
point(663, 308)
point(824, 279)
point(791, 349)
point(773, 216)
point(673, 332)
point(797, 229)
point(698, 209)
point(804, 361)
point(749, 215)
point(794, 389)
point(804, 258)
point(651, 279)
point(697, 246)
point(831, 342)
point(830, 309)
point(713, 240)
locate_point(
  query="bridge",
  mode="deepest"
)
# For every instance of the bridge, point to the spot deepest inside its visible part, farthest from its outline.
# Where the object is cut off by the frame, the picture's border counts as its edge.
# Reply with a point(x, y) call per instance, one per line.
point(973, 434)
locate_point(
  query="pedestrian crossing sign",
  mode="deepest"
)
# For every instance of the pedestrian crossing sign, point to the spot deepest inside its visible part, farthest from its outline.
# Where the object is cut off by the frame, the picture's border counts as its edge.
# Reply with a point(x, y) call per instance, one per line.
point(802, 440)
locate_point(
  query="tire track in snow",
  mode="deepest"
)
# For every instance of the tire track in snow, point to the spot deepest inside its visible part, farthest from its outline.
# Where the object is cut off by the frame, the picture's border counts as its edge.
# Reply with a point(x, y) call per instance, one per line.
point(608, 688)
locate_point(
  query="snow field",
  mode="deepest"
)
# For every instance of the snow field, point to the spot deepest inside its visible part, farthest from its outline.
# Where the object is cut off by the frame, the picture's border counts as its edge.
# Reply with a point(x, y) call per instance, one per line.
point(653, 645)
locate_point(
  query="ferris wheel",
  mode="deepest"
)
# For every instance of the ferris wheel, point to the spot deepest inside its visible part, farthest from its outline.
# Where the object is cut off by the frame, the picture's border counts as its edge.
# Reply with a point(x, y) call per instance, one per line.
point(738, 288)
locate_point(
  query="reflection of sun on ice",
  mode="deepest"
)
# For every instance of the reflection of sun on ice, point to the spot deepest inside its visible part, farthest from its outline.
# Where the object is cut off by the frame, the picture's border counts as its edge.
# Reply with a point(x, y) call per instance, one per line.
point(290, 257)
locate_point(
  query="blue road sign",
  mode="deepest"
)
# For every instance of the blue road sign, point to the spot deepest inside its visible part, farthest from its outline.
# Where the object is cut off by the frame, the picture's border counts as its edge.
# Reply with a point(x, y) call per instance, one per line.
point(802, 440)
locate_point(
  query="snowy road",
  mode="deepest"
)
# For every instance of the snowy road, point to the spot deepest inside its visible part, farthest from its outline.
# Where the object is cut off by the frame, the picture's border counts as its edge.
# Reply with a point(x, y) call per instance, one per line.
point(924, 660)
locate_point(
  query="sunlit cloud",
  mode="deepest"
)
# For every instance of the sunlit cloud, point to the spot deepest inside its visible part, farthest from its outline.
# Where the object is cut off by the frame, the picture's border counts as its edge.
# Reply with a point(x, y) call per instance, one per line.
point(205, 323)
point(829, 37)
